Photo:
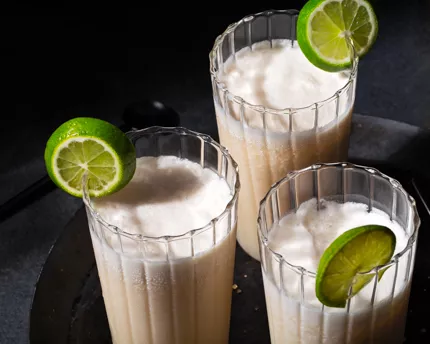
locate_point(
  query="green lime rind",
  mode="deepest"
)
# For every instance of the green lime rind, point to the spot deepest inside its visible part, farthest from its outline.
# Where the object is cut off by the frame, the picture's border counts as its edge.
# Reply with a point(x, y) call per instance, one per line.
point(358, 250)
point(331, 19)
point(104, 149)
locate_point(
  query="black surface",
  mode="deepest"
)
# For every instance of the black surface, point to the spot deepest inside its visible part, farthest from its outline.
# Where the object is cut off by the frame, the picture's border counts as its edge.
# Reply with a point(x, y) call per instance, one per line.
point(68, 306)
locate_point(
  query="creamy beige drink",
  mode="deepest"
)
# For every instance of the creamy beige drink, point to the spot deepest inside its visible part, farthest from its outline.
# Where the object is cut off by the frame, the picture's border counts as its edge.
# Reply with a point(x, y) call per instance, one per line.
point(299, 219)
point(301, 239)
point(169, 278)
point(276, 112)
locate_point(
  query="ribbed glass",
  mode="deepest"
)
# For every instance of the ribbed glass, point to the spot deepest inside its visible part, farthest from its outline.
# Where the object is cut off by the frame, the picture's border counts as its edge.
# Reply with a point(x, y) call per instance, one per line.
point(268, 143)
point(151, 294)
point(295, 315)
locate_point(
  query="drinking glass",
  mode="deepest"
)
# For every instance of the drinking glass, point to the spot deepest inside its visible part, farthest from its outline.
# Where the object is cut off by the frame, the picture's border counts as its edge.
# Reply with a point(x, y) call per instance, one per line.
point(173, 288)
point(267, 143)
point(295, 315)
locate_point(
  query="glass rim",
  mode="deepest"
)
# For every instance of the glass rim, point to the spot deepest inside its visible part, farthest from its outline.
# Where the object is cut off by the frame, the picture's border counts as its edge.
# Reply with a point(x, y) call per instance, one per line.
point(261, 108)
point(293, 174)
point(156, 130)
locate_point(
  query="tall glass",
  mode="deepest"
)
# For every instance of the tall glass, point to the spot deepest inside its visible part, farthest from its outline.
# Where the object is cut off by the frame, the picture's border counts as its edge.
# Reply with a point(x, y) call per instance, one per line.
point(151, 295)
point(267, 143)
point(295, 315)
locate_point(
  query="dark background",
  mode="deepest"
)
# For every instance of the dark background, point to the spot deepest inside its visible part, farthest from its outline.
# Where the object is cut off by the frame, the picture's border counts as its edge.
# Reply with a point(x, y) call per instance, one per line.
point(92, 60)
point(82, 60)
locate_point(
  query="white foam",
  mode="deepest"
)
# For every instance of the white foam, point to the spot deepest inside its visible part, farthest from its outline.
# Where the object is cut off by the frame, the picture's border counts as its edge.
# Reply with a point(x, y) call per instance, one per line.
point(302, 237)
point(279, 77)
point(168, 196)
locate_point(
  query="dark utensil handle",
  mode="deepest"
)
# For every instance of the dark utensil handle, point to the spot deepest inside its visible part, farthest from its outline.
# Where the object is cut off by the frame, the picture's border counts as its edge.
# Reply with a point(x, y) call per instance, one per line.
point(29, 195)
point(139, 115)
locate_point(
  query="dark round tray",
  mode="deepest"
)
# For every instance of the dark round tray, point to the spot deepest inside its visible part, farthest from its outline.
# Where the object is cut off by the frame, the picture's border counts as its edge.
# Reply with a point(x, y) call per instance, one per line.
point(68, 305)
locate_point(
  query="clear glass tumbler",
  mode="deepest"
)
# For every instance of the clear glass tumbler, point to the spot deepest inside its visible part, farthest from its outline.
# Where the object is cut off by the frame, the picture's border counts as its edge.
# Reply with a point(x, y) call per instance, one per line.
point(267, 143)
point(152, 293)
point(377, 314)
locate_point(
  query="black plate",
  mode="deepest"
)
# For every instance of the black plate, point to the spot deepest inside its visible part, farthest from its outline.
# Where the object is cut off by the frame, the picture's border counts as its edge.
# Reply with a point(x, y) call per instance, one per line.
point(68, 306)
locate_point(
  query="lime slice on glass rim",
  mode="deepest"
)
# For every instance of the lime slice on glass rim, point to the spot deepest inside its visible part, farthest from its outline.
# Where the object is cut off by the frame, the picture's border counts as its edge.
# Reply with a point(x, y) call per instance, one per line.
point(93, 146)
point(331, 32)
point(347, 261)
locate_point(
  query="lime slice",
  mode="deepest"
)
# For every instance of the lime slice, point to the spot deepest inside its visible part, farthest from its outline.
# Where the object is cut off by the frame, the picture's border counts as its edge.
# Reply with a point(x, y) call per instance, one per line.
point(324, 28)
point(356, 251)
point(90, 145)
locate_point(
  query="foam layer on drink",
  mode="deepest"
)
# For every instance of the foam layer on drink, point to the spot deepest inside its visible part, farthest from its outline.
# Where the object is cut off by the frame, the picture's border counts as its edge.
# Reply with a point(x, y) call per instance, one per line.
point(278, 77)
point(376, 313)
point(167, 196)
point(281, 77)
point(302, 237)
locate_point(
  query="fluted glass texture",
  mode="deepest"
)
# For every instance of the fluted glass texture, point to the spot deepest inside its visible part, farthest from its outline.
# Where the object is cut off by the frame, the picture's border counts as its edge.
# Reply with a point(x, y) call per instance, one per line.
point(267, 143)
point(151, 295)
point(295, 314)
